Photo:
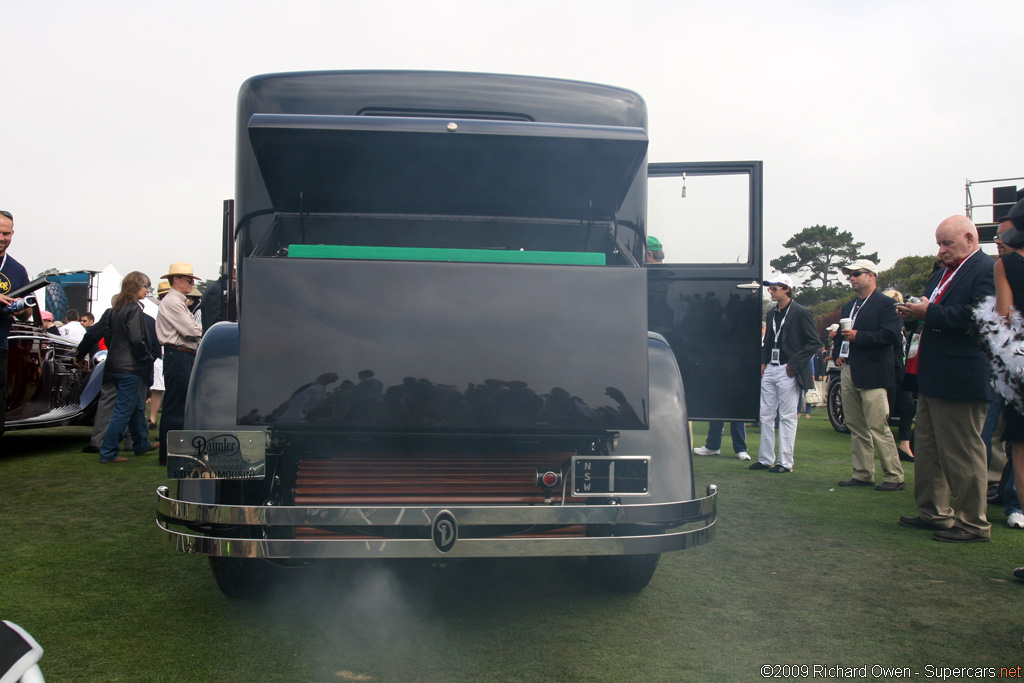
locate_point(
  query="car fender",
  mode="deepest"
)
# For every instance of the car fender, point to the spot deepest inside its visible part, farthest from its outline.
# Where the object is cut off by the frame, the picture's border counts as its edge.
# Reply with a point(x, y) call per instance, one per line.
point(667, 441)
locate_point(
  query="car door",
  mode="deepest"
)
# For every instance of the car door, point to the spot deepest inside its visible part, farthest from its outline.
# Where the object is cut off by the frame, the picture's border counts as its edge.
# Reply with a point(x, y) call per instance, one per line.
point(705, 297)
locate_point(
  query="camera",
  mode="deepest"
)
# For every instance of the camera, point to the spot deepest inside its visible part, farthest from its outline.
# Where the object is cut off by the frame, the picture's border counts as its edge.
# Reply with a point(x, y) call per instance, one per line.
point(18, 305)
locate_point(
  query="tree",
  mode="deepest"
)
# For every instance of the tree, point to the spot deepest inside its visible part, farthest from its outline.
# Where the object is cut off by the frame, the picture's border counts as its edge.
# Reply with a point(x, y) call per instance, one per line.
point(812, 296)
point(820, 252)
point(909, 275)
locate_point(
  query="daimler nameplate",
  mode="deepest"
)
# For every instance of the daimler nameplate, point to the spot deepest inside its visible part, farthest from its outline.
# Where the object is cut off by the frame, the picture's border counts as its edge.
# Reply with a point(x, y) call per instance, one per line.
point(210, 454)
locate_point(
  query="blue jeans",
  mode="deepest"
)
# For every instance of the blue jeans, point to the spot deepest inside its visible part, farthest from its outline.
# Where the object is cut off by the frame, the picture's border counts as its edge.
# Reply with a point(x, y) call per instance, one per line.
point(995, 409)
point(737, 430)
point(1011, 503)
point(130, 411)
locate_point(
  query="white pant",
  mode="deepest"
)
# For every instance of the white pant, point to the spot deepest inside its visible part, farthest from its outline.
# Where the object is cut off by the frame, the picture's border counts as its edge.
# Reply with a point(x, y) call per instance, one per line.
point(780, 393)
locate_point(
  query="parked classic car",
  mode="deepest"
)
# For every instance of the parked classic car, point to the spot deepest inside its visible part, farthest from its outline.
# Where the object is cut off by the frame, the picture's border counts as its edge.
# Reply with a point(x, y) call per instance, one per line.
point(44, 387)
point(497, 372)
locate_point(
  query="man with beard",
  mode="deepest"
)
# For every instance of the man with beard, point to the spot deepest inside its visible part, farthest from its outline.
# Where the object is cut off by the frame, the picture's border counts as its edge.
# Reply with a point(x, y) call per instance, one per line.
point(865, 354)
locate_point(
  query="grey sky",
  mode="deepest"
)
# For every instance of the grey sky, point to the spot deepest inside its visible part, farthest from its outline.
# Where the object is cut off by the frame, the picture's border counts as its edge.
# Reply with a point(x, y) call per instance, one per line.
point(116, 128)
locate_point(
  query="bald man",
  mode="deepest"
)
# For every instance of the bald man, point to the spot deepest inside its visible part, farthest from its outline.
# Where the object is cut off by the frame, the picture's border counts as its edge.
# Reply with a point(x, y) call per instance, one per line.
point(953, 390)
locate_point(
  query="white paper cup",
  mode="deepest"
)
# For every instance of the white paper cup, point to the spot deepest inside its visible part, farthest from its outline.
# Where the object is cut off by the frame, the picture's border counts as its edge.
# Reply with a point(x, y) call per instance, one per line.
point(845, 323)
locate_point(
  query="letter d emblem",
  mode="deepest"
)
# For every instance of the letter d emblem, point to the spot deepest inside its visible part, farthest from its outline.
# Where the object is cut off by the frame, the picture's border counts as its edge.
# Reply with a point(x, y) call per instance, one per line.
point(444, 531)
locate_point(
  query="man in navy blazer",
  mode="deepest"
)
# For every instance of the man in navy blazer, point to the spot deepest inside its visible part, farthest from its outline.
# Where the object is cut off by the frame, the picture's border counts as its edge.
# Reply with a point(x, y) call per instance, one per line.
point(953, 390)
point(790, 340)
point(865, 354)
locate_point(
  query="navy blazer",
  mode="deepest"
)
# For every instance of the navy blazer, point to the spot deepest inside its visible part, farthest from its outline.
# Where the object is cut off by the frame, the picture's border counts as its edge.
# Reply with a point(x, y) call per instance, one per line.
point(872, 364)
point(798, 339)
point(951, 364)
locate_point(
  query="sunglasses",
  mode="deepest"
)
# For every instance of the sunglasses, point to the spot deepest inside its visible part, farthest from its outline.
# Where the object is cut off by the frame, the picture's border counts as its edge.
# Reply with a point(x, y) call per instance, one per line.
point(6, 214)
point(857, 273)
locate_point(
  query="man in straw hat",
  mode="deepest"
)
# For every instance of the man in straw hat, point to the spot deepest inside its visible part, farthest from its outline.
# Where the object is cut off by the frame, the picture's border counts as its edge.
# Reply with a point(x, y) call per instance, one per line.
point(179, 334)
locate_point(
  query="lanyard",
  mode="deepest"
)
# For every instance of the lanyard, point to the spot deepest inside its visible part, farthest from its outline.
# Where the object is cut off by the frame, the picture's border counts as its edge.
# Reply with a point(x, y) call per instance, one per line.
point(857, 305)
point(937, 293)
point(4, 262)
point(775, 319)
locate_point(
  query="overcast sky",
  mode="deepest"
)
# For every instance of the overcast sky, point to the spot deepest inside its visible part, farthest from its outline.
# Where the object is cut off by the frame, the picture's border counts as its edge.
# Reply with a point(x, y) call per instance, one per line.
point(116, 123)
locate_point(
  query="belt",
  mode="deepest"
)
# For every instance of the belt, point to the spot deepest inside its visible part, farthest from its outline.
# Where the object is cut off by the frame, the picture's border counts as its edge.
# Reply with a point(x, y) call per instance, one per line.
point(183, 349)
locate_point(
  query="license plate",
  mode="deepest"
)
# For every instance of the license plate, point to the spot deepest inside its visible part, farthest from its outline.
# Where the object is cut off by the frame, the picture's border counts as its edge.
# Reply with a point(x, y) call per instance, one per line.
point(624, 475)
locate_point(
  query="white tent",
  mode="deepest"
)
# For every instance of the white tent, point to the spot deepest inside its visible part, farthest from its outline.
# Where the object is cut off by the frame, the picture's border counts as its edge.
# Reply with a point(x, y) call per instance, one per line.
point(106, 285)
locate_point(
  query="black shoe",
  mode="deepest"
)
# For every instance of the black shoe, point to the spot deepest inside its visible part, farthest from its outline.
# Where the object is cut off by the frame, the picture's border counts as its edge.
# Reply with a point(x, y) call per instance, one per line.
point(918, 523)
point(853, 481)
point(779, 469)
point(993, 495)
point(759, 466)
point(90, 449)
point(1018, 573)
point(904, 456)
point(890, 486)
point(958, 535)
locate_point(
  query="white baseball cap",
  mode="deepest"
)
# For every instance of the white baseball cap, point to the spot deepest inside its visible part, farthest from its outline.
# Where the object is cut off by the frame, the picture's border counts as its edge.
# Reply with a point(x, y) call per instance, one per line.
point(779, 279)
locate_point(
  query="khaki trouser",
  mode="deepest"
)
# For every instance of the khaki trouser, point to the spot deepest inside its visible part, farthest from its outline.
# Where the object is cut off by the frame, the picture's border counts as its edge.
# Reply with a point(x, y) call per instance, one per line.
point(949, 458)
point(866, 412)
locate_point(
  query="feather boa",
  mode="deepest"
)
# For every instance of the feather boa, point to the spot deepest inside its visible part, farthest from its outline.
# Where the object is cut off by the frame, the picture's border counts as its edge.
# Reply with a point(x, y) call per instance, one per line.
point(1002, 339)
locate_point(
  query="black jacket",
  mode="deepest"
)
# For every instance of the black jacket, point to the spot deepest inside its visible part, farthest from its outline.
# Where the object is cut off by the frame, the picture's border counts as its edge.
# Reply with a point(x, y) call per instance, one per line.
point(879, 329)
point(798, 339)
point(93, 334)
point(129, 346)
point(951, 364)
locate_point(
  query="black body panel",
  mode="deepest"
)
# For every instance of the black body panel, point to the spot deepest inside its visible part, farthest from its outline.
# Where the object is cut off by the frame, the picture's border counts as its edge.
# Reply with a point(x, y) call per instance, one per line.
point(710, 313)
point(452, 346)
point(390, 165)
point(423, 94)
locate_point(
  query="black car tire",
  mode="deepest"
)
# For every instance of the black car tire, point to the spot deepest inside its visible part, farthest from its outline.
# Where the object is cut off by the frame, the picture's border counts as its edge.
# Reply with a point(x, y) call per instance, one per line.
point(835, 406)
point(241, 578)
point(625, 573)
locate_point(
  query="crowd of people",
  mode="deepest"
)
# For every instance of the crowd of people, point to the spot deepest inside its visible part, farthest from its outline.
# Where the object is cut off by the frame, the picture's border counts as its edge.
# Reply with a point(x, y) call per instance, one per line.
point(949, 348)
point(145, 358)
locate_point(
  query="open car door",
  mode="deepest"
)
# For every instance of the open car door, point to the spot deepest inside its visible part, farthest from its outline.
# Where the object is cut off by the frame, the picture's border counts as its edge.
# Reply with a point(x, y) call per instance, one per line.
point(705, 297)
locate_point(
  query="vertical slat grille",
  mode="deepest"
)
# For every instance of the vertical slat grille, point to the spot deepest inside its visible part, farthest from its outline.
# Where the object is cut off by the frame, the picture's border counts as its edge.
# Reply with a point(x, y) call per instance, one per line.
point(361, 479)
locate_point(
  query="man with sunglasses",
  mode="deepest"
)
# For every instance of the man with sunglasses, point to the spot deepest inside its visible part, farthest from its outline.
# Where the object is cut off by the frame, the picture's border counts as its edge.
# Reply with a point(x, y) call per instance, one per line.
point(865, 354)
point(12, 276)
point(178, 333)
point(790, 339)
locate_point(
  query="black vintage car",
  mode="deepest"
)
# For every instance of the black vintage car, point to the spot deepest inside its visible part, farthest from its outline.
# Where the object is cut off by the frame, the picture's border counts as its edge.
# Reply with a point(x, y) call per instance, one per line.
point(44, 386)
point(449, 340)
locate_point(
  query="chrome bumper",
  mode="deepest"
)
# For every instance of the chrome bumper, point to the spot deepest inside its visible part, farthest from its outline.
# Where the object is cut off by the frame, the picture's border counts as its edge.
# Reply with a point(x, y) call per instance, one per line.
point(699, 515)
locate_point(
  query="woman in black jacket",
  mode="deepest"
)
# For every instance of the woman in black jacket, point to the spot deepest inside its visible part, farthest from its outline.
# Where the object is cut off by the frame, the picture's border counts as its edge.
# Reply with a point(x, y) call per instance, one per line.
point(130, 367)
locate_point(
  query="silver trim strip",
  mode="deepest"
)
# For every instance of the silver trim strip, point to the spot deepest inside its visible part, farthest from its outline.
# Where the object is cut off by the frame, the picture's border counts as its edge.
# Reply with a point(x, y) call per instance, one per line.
point(181, 512)
point(425, 548)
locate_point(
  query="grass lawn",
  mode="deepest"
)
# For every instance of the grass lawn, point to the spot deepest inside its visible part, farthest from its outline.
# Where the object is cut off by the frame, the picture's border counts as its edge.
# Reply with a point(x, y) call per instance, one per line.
point(800, 573)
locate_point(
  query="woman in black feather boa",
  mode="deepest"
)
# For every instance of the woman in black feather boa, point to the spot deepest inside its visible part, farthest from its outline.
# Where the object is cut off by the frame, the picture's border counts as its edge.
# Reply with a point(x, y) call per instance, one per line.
point(1002, 326)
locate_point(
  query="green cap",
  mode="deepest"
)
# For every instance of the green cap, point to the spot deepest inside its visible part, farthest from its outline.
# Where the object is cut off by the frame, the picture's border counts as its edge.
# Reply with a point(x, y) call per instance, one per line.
point(653, 243)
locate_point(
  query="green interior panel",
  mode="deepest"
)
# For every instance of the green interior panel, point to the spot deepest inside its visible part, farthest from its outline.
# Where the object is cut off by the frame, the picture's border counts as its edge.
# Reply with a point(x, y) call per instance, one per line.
point(337, 251)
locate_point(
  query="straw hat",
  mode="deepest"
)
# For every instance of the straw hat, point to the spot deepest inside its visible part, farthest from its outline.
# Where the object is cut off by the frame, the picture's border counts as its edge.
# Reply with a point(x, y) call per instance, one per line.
point(163, 288)
point(180, 268)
